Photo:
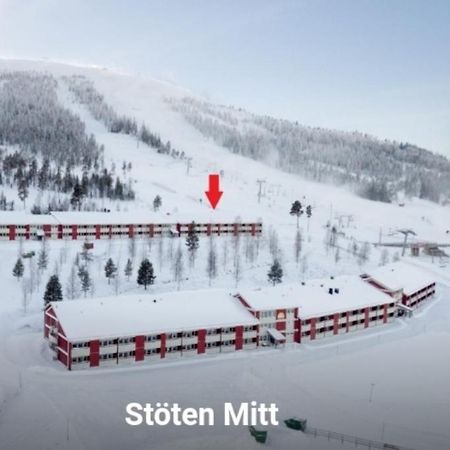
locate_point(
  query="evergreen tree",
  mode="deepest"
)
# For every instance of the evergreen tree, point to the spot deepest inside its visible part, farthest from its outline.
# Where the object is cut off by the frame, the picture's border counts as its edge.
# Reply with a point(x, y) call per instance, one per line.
point(44, 174)
point(85, 280)
point(53, 291)
point(275, 274)
point(22, 190)
point(211, 262)
point(192, 243)
point(178, 266)
point(43, 258)
point(77, 196)
point(145, 274)
point(296, 210)
point(128, 269)
point(110, 270)
point(157, 202)
point(18, 269)
point(308, 214)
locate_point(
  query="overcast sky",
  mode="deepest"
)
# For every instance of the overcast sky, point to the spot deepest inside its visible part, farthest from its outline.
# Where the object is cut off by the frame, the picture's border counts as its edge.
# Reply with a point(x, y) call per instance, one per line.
point(380, 66)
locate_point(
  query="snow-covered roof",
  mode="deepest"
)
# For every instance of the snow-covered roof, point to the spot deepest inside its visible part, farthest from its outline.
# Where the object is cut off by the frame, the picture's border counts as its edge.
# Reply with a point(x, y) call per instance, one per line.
point(99, 218)
point(401, 275)
point(23, 218)
point(276, 335)
point(313, 298)
point(140, 315)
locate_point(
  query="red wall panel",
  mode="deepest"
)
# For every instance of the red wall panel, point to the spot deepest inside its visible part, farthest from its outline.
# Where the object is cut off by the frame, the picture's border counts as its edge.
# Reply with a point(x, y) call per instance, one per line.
point(47, 230)
point(239, 340)
point(297, 330)
point(313, 329)
point(12, 232)
point(366, 317)
point(201, 341)
point(94, 355)
point(336, 324)
point(385, 315)
point(163, 346)
point(139, 348)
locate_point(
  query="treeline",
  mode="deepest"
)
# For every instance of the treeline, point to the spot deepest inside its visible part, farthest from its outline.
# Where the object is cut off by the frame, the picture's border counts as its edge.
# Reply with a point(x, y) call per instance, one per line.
point(86, 94)
point(375, 169)
point(95, 182)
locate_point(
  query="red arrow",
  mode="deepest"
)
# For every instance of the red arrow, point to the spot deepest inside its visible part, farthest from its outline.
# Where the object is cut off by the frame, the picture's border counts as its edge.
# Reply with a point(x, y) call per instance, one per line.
point(213, 193)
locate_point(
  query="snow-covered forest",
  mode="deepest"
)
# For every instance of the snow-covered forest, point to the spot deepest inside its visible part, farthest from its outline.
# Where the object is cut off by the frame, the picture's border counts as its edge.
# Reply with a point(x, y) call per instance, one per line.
point(45, 147)
point(375, 169)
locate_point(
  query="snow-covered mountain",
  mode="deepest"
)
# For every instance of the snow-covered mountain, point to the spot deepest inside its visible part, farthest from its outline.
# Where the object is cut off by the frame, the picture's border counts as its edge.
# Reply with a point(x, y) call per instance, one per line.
point(181, 177)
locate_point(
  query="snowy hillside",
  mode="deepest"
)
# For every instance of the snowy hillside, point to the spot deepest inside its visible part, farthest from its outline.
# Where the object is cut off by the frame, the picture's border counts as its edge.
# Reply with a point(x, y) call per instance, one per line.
point(338, 239)
point(373, 168)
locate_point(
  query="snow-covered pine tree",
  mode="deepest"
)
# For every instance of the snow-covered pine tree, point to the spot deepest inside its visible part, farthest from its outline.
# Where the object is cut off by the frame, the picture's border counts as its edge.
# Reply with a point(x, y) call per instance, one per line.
point(237, 270)
point(22, 189)
point(274, 246)
point(192, 243)
point(128, 271)
point(110, 270)
point(160, 249)
point(132, 247)
point(42, 258)
point(72, 286)
point(308, 215)
point(211, 261)
point(296, 210)
point(77, 196)
point(18, 269)
point(275, 274)
point(85, 280)
point(146, 276)
point(157, 202)
point(178, 266)
point(53, 291)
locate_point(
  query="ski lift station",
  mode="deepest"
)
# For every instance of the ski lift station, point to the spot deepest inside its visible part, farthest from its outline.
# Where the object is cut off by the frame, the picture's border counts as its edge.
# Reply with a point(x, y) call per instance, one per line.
point(119, 331)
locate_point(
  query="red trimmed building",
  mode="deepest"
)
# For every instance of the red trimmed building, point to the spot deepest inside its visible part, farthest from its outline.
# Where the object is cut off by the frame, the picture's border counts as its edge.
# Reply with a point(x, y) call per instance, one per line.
point(92, 225)
point(404, 282)
point(108, 332)
point(318, 308)
point(118, 331)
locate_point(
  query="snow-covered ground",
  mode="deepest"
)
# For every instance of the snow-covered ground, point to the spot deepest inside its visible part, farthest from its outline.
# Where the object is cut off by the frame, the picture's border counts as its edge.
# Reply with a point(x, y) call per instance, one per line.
point(406, 365)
